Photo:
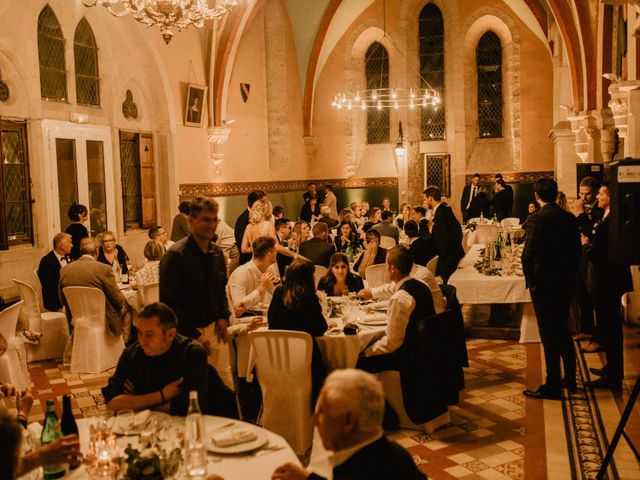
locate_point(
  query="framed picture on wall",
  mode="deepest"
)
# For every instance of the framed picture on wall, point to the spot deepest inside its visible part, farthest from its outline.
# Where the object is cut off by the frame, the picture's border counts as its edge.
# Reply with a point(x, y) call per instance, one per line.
point(194, 105)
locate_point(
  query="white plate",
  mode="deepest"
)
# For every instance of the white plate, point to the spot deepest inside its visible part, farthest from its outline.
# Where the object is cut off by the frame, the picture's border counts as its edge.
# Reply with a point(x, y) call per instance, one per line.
point(261, 438)
point(136, 429)
point(373, 322)
point(381, 306)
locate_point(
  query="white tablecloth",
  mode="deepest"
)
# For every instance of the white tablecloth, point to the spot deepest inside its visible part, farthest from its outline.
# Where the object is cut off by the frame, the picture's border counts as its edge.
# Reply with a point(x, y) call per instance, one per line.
point(230, 467)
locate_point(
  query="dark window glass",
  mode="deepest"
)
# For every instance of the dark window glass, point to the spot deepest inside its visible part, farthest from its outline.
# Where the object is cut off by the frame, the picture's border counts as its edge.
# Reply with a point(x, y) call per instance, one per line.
point(376, 68)
point(131, 190)
point(431, 39)
point(53, 73)
point(85, 54)
point(489, 65)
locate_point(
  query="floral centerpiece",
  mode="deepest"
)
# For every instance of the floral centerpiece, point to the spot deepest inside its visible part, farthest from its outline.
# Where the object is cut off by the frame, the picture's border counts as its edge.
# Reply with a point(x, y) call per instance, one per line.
point(152, 463)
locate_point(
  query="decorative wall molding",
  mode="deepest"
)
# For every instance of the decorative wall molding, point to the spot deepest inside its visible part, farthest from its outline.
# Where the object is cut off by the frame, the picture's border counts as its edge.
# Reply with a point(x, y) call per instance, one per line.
point(510, 177)
point(243, 188)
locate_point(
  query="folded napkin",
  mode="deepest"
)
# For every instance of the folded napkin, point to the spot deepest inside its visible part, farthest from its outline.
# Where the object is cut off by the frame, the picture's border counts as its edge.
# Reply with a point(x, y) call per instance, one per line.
point(233, 436)
point(141, 418)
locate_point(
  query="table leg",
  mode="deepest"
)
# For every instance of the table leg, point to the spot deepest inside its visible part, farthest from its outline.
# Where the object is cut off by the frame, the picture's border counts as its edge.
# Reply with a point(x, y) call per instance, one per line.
point(529, 332)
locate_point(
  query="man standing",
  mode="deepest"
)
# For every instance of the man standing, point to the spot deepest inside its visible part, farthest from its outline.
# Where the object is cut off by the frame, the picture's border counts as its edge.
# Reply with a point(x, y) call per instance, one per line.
point(330, 201)
point(180, 226)
point(502, 201)
point(49, 270)
point(242, 221)
point(311, 191)
point(386, 227)
point(549, 262)
point(508, 188)
point(446, 232)
point(319, 249)
point(468, 194)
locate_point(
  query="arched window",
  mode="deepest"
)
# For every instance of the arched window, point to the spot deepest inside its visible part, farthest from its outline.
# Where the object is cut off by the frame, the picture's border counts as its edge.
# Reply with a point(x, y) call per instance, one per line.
point(53, 73)
point(431, 39)
point(85, 54)
point(489, 65)
point(376, 69)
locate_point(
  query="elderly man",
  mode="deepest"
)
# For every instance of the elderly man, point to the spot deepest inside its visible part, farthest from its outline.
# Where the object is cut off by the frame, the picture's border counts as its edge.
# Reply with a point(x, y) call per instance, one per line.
point(88, 272)
point(49, 270)
point(254, 282)
point(325, 217)
point(160, 234)
point(318, 249)
point(349, 420)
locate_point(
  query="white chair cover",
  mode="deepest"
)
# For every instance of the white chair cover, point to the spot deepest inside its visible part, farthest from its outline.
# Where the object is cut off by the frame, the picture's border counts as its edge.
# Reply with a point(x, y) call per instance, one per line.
point(432, 265)
point(387, 242)
point(319, 273)
point(13, 366)
point(52, 325)
point(94, 349)
point(151, 293)
point(283, 363)
point(377, 275)
point(487, 233)
point(510, 222)
point(393, 393)
point(475, 220)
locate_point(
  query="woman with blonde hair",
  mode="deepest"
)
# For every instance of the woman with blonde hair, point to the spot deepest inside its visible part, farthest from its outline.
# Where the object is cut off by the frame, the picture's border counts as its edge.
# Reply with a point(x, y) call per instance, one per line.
point(261, 225)
point(301, 233)
point(150, 273)
point(111, 252)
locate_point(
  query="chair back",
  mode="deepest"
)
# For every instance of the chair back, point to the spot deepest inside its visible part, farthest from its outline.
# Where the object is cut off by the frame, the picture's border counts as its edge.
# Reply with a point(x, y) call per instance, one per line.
point(387, 242)
point(510, 222)
point(85, 303)
point(280, 352)
point(151, 293)
point(377, 275)
point(319, 273)
point(9, 320)
point(487, 233)
point(29, 296)
point(432, 264)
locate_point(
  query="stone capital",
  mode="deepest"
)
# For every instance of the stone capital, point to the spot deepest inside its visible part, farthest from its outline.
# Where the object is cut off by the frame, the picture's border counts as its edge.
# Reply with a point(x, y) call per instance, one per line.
point(218, 135)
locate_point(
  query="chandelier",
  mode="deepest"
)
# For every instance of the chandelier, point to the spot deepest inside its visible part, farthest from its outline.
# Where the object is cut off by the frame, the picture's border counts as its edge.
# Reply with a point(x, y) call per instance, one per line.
point(166, 14)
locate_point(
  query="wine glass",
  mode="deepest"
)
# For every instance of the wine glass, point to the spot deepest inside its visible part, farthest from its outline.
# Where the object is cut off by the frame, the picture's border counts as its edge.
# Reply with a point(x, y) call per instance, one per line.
point(106, 420)
point(125, 420)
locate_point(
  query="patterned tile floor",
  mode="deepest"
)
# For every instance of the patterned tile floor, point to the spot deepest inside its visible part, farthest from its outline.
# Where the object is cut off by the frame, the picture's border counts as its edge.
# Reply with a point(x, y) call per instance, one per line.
point(495, 432)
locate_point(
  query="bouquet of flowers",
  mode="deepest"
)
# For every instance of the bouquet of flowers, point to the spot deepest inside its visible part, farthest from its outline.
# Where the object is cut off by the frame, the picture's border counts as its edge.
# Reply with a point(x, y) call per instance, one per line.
point(152, 463)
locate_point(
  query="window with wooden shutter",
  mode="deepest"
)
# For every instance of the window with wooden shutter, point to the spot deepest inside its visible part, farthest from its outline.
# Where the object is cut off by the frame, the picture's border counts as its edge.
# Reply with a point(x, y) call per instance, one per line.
point(138, 180)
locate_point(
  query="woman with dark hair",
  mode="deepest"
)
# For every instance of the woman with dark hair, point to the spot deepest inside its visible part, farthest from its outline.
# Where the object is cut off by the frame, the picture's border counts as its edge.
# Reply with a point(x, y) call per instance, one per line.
point(339, 278)
point(346, 238)
point(375, 217)
point(310, 210)
point(295, 306)
point(78, 214)
point(404, 215)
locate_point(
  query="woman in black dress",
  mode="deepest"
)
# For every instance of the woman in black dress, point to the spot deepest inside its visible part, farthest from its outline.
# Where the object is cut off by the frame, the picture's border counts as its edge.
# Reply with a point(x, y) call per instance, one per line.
point(110, 251)
point(78, 215)
point(339, 278)
point(310, 211)
point(295, 306)
point(347, 238)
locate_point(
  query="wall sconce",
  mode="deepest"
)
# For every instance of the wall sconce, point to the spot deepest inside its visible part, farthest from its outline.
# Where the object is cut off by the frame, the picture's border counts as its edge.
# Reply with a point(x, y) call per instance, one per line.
point(400, 149)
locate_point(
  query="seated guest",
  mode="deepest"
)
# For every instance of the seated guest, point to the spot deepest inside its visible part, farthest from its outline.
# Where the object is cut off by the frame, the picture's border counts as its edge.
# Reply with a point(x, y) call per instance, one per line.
point(347, 238)
point(283, 232)
point(254, 282)
point(419, 215)
point(78, 214)
point(110, 251)
point(180, 227)
point(160, 234)
point(386, 205)
point(364, 210)
point(325, 213)
point(339, 278)
point(374, 254)
point(49, 270)
point(532, 209)
point(356, 214)
point(386, 227)
point(422, 249)
point(88, 272)
point(349, 420)
point(310, 211)
point(319, 249)
point(295, 306)
point(404, 215)
point(411, 300)
point(301, 233)
point(480, 204)
point(162, 367)
point(375, 217)
point(150, 273)
point(278, 212)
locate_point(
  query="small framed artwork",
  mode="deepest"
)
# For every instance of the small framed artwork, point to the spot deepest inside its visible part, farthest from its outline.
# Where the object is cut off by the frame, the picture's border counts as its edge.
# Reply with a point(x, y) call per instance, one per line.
point(194, 106)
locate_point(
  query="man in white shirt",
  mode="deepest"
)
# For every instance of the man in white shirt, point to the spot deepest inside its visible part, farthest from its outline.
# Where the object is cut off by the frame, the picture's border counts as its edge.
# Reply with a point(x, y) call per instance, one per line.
point(160, 234)
point(254, 282)
point(226, 240)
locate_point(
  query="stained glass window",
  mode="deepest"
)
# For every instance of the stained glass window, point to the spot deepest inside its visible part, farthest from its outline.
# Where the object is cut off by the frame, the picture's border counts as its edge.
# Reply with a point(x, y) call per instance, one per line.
point(376, 68)
point(53, 73)
point(489, 65)
point(85, 54)
point(431, 39)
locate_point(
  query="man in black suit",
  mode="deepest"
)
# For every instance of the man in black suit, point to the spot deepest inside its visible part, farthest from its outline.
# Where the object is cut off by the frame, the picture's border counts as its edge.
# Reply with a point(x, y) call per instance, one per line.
point(550, 262)
point(468, 194)
point(319, 249)
point(283, 232)
point(422, 249)
point(349, 417)
point(480, 205)
point(419, 214)
point(446, 232)
point(49, 270)
point(502, 200)
point(243, 220)
point(507, 187)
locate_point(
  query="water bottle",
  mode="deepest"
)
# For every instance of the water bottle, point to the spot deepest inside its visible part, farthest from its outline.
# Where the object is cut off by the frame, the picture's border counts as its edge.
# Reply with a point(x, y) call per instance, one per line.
point(117, 270)
point(195, 439)
point(50, 433)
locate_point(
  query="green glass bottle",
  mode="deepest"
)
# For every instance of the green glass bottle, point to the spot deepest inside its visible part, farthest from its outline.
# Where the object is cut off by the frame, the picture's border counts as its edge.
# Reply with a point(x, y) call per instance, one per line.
point(50, 433)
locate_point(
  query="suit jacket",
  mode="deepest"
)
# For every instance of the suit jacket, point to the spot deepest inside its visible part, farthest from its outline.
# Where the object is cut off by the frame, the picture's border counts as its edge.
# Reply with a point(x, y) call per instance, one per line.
point(422, 250)
point(49, 275)
point(464, 200)
point(380, 460)
point(388, 229)
point(551, 252)
point(447, 234)
point(502, 203)
point(238, 231)
point(317, 250)
point(87, 272)
point(331, 201)
point(480, 204)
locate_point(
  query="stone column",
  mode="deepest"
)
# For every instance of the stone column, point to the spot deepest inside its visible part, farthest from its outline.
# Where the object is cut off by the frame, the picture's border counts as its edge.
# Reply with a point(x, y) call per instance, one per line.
point(625, 105)
point(565, 157)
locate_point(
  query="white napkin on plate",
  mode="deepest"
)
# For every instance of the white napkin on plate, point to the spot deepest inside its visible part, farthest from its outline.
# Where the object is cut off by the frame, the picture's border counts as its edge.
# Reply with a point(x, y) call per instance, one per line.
point(233, 436)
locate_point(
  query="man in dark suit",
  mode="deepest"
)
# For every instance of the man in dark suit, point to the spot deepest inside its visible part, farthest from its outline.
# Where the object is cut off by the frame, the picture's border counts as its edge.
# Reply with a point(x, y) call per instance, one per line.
point(468, 194)
point(283, 232)
point(480, 205)
point(507, 187)
point(446, 232)
point(319, 249)
point(349, 417)
point(550, 262)
point(243, 220)
point(502, 200)
point(419, 214)
point(422, 249)
point(49, 270)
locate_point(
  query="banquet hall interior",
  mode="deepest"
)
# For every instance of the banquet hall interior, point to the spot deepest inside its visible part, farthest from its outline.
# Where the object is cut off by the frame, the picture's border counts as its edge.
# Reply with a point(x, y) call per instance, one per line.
point(105, 111)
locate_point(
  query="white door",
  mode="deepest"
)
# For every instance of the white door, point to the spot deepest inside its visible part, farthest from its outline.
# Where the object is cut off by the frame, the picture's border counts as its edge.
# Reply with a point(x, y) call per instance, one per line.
point(78, 169)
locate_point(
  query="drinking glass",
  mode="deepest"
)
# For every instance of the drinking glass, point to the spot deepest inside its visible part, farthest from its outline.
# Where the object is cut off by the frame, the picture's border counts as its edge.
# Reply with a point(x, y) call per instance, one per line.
point(125, 420)
point(105, 420)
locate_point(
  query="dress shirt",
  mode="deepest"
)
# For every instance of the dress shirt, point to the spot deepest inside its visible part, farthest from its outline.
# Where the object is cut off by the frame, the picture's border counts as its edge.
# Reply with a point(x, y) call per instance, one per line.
point(384, 292)
point(473, 191)
point(63, 259)
point(401, 304)
point(244, 283)
point(341, 456)
point(226, 238)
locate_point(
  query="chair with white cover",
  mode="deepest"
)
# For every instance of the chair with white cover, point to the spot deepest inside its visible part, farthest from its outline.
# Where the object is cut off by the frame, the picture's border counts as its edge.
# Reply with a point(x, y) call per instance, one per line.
point(387, 242)
point(283, 364)
point(432, 265)
point(475, 220)
point(94, 349)
point(151, 293)
point(510, 222)
point(13, 367)
point(53, 326)
point(319, 273)
point(487, 233)
point(377, 275)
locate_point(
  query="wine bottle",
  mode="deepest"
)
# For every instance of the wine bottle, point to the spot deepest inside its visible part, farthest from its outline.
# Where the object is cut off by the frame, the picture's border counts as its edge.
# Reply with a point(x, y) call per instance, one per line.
point(50, 433)
point(68, 423)
point(195, 439)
